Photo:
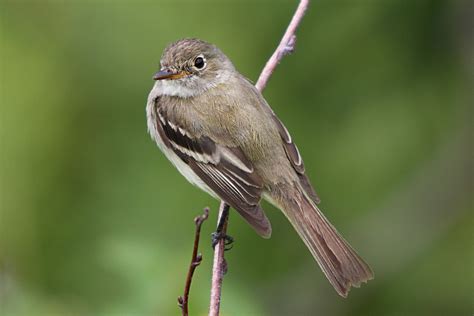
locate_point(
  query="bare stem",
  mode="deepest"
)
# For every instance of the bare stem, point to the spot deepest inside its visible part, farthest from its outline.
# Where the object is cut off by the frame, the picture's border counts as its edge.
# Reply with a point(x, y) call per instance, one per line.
point(195, 261)
point(286, 46)
point(219, 267)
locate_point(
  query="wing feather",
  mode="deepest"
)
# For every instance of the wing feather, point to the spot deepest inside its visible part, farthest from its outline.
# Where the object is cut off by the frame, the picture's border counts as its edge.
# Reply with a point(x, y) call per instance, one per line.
point(224, 169)
point(295, 159)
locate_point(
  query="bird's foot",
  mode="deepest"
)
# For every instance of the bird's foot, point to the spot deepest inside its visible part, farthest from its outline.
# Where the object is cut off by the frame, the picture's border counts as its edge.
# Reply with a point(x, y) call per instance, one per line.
point(218, 236)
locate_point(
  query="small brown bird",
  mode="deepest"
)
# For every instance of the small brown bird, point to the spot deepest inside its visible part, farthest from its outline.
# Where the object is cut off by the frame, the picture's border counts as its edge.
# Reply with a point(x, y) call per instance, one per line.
point(220, 133)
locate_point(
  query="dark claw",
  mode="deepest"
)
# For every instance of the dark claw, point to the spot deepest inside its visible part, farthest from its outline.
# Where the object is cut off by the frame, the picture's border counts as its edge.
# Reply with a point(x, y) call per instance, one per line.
point(217, 236)
point(228, 241)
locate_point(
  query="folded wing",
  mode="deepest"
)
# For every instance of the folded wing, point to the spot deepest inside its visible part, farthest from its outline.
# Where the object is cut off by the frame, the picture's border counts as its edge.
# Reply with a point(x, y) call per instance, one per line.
point(224, 169)
point(295, 159)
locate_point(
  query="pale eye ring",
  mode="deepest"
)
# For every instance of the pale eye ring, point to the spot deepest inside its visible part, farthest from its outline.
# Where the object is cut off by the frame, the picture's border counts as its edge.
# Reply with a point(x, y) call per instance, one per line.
point(200, 62)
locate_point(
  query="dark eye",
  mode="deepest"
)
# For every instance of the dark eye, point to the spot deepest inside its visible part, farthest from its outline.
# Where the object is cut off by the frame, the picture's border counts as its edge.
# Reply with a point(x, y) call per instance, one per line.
point(199, 63)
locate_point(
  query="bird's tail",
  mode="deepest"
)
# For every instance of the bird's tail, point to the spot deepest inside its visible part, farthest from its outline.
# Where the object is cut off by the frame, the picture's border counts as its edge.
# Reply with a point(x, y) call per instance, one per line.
point(340, 263)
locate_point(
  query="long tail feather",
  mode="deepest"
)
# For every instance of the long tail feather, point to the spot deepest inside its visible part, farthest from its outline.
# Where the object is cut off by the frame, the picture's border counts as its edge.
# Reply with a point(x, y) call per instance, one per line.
point(340, 263)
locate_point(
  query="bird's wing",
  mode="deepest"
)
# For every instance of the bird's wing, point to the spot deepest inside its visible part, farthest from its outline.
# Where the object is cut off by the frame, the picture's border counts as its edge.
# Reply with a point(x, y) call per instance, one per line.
point(295, 158)
point(224, 169)
point(292, 152)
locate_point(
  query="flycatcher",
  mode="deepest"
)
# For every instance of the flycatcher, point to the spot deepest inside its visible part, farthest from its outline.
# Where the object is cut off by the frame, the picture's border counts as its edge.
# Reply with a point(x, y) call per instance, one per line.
point(220, 133)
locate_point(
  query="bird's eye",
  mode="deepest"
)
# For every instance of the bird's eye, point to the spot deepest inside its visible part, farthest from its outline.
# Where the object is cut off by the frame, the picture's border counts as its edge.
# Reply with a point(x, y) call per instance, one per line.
point(199, 62)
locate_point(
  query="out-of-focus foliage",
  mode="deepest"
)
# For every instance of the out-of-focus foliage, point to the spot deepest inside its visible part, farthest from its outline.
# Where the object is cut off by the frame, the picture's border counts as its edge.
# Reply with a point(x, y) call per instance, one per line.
point(95, 221)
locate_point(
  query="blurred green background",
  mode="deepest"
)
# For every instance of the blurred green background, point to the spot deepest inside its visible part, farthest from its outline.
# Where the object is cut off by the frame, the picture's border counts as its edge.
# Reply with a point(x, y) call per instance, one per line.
point(95, 221)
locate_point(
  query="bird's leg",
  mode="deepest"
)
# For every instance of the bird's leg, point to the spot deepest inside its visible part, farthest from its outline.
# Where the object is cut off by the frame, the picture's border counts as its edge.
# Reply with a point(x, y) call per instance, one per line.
point(219, 233)
point(217, 236)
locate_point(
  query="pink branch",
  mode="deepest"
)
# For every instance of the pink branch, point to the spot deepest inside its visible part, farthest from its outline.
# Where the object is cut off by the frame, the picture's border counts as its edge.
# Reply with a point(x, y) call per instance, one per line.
point(219, 267)
point(286, 46)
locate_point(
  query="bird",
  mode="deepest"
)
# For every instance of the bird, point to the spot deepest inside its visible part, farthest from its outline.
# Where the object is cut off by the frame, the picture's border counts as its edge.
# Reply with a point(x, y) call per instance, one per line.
point(217, 129)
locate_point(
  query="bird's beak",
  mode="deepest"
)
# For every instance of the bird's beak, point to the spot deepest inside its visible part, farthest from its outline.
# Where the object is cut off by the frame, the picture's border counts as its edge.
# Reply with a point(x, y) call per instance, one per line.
point(169, 74)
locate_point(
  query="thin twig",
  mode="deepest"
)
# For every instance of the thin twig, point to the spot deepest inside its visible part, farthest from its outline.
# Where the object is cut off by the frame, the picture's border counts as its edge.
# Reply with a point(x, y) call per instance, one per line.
point(286, 46)
point(219, 267)
point(195, 261)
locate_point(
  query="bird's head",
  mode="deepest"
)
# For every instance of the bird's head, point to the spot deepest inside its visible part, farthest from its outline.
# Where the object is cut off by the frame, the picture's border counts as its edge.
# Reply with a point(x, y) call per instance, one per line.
point(190, 67)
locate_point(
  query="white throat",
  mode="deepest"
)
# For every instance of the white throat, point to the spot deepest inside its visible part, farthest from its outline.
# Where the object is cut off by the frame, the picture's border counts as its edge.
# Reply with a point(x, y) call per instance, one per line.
point(190, 86)
point(177, 88)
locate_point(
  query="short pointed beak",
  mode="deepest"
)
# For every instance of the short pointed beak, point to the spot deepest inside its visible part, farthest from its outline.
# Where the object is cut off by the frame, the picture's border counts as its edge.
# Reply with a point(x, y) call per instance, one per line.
point(170, 74)
point(164, 74)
